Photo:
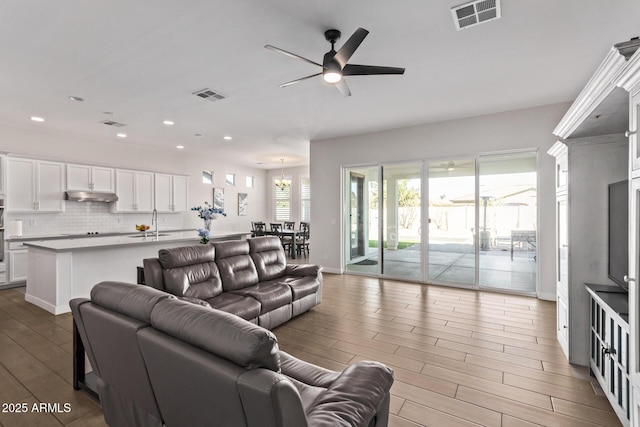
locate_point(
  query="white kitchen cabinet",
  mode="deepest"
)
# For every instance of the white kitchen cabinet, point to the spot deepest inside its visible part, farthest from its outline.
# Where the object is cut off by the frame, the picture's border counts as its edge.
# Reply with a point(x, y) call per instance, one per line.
point(34, 185)
point(171, 193)
point(90, 178)
point(135, 191)
point(18, 263)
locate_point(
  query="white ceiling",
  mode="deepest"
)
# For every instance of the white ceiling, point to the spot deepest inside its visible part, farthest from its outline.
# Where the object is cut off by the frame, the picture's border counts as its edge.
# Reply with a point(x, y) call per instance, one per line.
point(143, 59)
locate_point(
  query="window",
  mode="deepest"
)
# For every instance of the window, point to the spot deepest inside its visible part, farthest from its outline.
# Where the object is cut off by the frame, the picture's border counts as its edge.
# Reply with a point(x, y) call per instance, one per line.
point(250, 182)
point(230, 179)
point(305, 198)
point(282, 202)
point(207, 177)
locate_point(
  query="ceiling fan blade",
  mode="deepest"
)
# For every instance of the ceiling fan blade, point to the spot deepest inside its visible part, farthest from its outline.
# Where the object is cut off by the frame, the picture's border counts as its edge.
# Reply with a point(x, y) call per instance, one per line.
point(299, 80)
point(366, 70)
point(292, 55)
point(350, 46)
point(343, 87)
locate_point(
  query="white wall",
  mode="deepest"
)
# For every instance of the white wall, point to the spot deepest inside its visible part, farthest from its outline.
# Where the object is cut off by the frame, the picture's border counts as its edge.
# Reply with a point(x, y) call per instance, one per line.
point(529, 128)
point(53, 145)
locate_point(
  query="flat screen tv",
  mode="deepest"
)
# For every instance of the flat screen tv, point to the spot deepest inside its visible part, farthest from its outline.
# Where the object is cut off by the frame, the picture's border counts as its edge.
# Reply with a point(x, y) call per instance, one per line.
point(619, 232)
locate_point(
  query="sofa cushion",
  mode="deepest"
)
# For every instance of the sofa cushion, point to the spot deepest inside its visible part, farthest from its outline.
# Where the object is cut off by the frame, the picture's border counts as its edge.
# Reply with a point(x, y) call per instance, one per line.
point(268, 256)
point(243, 306)
point(130, 300)
point(271, 295)
point(190, 271)
point(301, 286)
point(237, 270)
point(220, 333)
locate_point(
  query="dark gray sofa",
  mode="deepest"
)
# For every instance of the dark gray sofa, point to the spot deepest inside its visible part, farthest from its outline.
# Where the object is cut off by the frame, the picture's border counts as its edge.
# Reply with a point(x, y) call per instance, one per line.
point(249, 278)
point(161, 361)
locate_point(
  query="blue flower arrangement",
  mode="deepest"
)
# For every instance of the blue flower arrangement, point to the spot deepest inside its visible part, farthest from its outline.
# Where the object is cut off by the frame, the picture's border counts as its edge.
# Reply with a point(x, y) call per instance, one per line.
point(207, 213)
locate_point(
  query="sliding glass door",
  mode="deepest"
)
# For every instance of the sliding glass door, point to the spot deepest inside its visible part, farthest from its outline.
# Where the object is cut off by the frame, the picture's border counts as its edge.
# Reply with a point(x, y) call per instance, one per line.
point(478, 229)
point(452, 221)
point(508, 221)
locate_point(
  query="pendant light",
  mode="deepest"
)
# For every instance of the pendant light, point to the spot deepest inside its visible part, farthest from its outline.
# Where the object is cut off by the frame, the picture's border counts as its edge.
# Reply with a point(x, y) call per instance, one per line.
point(282, 182)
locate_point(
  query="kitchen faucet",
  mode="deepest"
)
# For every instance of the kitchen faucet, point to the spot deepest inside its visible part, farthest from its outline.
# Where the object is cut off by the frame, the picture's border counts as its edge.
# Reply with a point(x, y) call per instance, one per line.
point(154, 220)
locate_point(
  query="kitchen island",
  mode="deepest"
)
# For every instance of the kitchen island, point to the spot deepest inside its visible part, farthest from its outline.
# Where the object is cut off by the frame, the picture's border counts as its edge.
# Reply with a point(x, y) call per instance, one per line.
point(62, 269)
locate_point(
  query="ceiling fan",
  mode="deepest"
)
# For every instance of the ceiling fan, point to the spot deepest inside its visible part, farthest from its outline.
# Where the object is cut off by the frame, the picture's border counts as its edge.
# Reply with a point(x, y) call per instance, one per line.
point(334, 65)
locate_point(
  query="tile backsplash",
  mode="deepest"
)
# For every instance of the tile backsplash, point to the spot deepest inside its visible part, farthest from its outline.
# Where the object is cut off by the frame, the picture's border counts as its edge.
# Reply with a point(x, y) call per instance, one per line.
point(83, 217)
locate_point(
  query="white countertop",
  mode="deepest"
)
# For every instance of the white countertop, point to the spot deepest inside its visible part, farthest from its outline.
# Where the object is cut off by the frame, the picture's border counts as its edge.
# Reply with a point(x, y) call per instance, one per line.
point(73, 243)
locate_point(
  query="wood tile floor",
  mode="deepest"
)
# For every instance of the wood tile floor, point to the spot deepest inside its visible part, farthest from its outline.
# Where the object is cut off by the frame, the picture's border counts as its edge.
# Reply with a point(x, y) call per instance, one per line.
point(461, 358)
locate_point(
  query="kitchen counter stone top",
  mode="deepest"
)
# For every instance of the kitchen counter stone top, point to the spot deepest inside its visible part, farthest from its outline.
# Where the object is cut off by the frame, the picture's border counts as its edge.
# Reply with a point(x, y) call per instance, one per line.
point(70, 243)
point(81, 235)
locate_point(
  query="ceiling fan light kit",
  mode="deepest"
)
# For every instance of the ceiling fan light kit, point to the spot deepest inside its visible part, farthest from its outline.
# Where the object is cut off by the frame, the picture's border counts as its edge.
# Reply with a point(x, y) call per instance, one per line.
point(334, 64)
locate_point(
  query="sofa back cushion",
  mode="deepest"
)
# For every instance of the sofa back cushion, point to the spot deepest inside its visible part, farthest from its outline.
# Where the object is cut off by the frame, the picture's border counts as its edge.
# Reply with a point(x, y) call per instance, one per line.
point(190, 271)
point(236, 267)
point(268, 256)
point(223, 334)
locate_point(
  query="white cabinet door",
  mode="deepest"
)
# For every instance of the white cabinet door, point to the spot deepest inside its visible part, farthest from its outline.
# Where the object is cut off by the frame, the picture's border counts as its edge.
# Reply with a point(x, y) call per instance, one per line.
point(50, 187)
point(79, 177)
point(18, 265)
point(21, 185)
point(180, 193)
point(634, 294)
point(164, 193)
point(126, 190)
point(135, 191)
point(90, 178)
point(634, 121)
point(144, 191)
point(103, 179)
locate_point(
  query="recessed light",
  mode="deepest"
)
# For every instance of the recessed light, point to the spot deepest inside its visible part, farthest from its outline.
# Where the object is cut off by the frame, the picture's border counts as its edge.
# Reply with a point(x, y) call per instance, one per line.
point(197, 134)
point(76, 98)
point(168, 123)
point(121, 135)
point(37, 119)
point(108, 113)
point(179, 147)
point(227, 137)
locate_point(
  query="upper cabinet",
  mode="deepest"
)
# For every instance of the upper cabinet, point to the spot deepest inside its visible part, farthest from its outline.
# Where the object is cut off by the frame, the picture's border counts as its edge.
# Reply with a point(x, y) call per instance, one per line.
point(135, 191)
point(171, 193)
point(90, 178)
point(34, 185)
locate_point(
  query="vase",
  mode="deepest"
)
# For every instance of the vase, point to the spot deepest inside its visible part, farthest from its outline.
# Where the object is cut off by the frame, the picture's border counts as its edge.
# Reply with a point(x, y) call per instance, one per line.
point(207, 224)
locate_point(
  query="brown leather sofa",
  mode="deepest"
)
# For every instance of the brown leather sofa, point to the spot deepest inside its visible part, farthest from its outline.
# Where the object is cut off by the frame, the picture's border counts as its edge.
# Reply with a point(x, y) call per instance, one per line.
point(249, 278)
point(161, 361)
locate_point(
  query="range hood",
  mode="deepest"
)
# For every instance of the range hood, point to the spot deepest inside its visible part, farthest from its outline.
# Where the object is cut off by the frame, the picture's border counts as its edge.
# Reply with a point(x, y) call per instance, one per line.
point(90, 196)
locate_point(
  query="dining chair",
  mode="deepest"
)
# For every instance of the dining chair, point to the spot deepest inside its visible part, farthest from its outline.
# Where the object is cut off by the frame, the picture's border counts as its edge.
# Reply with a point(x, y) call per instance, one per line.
point(302, 239)
point(287, 241)
point(259, 229)
point(289, 225)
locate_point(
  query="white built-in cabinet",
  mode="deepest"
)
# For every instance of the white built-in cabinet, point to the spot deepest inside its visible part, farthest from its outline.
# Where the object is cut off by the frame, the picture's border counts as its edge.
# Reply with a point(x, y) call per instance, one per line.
point(135, 190)
point(607, 110)
point(90, 178)
point(34, 185)
point(18, 263)
point(171, 193)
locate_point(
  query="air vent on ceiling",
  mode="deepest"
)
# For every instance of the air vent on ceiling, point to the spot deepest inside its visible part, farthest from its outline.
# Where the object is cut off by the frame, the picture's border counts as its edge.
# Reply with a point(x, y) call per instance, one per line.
point(474, 13)
point(209, 94)
point(112, 123)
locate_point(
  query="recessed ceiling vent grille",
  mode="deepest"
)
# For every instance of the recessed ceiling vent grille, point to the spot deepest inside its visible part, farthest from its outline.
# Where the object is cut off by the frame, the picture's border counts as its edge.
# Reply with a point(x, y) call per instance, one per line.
point(474, 13)
point(112, 123)
point(209, 95)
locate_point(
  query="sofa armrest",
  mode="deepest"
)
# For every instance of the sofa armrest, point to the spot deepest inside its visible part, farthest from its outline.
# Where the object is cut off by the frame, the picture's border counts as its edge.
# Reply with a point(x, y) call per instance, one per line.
point(299, 270)
point(306, 372)
point(153, 273)
point(355, 397)
point(196, 301)
point(270, 400)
